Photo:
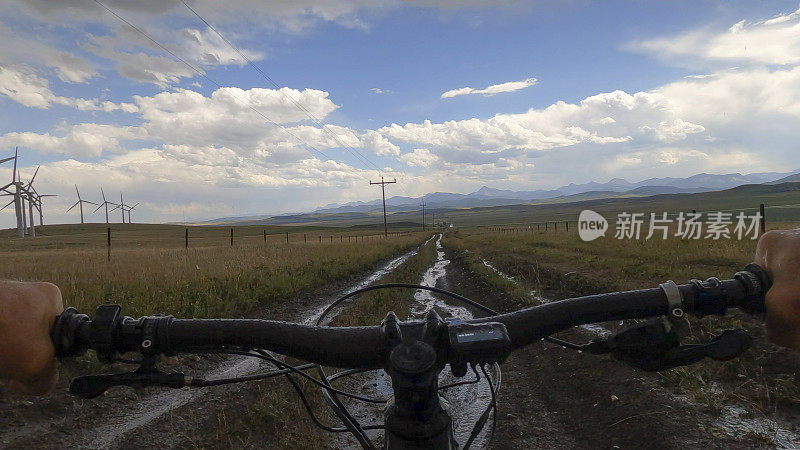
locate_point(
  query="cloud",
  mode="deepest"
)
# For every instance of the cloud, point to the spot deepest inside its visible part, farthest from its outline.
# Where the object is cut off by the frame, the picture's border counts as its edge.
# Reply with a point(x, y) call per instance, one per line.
point(509, 86)
point(87, 140)
point(22, 50)
point(420, 157)
point(25, 88)
point(243, 120)
point(377, 90)
point(378, 144)
point(28, 89)
point(737, 97)
point(156, 178)
point(641, 117)
point(775, 42)
point(140, 59)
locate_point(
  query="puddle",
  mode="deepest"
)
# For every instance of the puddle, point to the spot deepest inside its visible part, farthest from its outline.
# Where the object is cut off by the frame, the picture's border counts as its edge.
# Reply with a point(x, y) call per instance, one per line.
point(157, 405)
point(426, 300)
point(465, 403)
point(593, 328)
point(311, 317)
point(737, 422)
point(734, 421)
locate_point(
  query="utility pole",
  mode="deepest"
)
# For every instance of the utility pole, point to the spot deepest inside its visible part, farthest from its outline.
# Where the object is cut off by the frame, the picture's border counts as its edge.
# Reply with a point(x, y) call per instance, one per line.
point(383, 193)
point(423, 215)
point(433, 221)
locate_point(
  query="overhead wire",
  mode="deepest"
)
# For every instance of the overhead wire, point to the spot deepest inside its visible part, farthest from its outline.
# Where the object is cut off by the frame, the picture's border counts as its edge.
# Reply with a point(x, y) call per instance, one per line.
point(205, 76)
point(302, 108)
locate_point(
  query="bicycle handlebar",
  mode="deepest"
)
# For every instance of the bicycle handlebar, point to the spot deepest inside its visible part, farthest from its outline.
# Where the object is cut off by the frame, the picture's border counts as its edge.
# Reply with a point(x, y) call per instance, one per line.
point(110, 333)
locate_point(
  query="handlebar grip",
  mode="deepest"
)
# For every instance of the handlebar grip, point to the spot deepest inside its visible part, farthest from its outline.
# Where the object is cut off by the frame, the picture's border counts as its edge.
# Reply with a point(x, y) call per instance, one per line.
point(109, 333)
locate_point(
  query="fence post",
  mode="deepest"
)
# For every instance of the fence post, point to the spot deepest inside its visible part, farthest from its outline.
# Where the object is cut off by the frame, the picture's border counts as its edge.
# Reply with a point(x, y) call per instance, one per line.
point(566, 224)
point(231, 236)
point(108, 231)
point(555, 224)
point(186, 240)
point(287, 237)
point(545, 226)
point(763, 218)
point(265, 235)
point(304, 238)
point(341, 238)
point(331, 238)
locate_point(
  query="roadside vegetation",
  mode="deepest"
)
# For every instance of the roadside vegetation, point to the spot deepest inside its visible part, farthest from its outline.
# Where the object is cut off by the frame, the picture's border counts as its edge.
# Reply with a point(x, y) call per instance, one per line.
point(209, 281)
point(276, 414)
point(559, 265)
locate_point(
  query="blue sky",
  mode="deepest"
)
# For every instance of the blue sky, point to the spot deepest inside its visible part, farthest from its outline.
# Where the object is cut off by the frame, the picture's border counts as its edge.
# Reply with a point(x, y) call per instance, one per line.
point(443, 95)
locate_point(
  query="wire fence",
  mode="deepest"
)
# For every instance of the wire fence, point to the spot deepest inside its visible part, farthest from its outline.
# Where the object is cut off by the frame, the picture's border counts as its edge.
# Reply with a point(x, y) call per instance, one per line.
point(788, 213)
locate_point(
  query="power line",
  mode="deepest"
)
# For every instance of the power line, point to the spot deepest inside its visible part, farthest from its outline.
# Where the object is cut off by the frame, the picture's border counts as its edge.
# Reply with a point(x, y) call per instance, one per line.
point(202, 74)
point(308, 113)
point(383, 191)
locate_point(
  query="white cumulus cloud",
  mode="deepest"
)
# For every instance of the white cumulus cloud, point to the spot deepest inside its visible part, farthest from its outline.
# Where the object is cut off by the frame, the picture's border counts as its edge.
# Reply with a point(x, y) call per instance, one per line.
point(509, 86)
point(774, 41)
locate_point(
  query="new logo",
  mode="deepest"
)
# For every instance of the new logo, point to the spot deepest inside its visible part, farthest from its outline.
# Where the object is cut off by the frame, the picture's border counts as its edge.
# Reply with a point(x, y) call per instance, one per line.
point(591, 225)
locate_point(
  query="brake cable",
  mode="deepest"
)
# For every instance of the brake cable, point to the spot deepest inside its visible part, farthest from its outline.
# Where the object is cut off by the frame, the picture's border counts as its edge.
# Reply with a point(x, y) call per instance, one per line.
point(339, 408)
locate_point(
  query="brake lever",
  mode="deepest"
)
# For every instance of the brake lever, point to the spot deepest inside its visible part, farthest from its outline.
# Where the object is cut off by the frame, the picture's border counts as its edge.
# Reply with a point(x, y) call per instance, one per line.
point(654, 346)
point(90, 386)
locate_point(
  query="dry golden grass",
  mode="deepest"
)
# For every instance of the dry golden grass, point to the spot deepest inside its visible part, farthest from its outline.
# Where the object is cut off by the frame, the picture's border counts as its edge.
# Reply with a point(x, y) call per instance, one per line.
point(207, 281)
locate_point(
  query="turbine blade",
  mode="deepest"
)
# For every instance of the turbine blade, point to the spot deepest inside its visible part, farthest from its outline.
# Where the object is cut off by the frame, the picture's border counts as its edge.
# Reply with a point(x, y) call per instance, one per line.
point(4, 207)
point(14, 173)
point(70, 208)
point(87, 201)
point(78, 192)
point(34, 176)
point(101, 205)
point(103, 194)
point(6, 159)
point(134, 206)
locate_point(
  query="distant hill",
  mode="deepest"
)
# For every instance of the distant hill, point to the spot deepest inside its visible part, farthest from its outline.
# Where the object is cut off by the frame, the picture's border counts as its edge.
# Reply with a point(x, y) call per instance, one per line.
point(486, 197)
point(790, 179)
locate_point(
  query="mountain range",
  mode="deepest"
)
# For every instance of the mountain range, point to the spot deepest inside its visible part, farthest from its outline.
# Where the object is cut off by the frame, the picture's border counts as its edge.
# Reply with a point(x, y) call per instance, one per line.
point(617, 187)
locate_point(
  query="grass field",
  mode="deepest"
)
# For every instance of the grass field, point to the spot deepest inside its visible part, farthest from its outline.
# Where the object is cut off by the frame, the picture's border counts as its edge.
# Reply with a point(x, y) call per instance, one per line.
point(149, 273)
point(560, 265)
point(275, 414)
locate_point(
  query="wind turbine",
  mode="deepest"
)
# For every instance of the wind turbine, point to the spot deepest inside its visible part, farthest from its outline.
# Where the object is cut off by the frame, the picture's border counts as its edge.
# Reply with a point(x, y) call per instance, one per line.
point(80, 203)
point(130, 208)
point(35, 200)
point(105, 203)
point(121, 206)
point(31, 196)
point(17, 192)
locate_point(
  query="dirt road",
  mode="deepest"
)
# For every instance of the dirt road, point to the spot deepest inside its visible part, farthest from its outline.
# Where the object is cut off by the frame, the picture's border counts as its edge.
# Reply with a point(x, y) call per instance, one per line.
point(550, 397)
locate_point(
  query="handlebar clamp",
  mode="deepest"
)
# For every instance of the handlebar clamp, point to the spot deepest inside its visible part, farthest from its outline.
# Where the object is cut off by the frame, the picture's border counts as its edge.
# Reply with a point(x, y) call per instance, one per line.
point(711, 297)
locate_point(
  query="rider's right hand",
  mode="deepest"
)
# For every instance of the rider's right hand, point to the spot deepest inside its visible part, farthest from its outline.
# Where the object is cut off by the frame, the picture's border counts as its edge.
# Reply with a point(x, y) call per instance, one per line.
point(779, 253)
point(27, 356)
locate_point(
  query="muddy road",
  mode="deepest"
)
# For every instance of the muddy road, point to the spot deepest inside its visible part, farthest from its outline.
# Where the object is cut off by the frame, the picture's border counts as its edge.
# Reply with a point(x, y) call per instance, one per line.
point(550, 397)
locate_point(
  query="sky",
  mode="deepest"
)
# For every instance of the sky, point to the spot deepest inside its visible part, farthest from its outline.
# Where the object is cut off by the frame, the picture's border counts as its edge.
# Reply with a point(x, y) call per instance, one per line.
point(205, 109)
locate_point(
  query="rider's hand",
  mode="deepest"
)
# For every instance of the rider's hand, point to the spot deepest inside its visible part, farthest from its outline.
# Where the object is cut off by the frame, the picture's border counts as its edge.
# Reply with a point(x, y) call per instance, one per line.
point(779, 253)
point(27, 312)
